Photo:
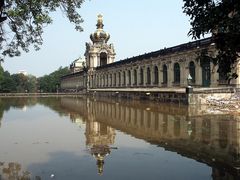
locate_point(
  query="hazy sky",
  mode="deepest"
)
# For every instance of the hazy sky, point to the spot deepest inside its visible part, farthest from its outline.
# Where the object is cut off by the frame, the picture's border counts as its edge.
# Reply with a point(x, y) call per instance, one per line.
point(136, 27)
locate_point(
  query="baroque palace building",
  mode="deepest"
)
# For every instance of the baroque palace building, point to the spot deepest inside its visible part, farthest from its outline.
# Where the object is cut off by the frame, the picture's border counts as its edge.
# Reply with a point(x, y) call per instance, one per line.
point(165, 68)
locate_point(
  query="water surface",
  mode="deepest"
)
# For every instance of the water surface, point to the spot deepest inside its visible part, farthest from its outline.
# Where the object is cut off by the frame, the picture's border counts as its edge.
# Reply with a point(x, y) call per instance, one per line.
point(74, 138)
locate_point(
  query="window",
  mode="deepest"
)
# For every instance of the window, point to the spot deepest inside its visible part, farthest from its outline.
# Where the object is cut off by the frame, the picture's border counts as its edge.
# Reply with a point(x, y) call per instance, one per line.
point(119, 77)
point(148, 76)
point(176, 73)
point(124, 78)
point(135, 77)
point(141, 76)
point(156, 75)
point(129, 77)
point(165, 74)
point(103, 58)
point(192, 71)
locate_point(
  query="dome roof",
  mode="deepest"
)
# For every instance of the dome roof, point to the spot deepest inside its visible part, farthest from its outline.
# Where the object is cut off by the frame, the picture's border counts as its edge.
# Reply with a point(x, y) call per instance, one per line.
point(99, 35)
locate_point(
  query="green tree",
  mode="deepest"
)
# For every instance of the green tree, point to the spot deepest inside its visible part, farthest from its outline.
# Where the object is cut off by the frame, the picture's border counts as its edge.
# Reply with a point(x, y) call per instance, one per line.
point(31, 84)
point(221, 18)
point(22, 22)
point(8, 84)
point(51, 82)
point(1, 74)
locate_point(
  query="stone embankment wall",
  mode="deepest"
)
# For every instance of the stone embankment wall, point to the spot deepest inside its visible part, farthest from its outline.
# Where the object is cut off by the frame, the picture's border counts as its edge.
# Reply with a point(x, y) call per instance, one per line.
point(216, 96)
point(3, 95)
point(197, 96)
point(200, 96)
point(171, 97)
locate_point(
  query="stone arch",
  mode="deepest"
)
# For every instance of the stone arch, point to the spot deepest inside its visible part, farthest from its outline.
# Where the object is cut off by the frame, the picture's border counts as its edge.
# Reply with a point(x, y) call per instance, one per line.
point(177, 73)
point(148, 75)
point(165, 74)
point(192, 71)
point(103, 58)
point(156, 77)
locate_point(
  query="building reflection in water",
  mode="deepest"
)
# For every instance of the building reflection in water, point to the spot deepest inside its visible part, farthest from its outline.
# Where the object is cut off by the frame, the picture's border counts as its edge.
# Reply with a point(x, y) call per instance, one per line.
point(208, 138)
point(99, 136)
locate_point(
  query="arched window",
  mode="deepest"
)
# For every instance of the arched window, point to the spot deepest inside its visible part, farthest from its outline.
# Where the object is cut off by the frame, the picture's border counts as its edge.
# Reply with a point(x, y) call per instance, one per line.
point(129, 77)
point(176, 73)
point(115, 79)
point(94, 81)
point(192, 71)
point(148, 76)
point(119, 78)
point(100, 80)
point(106, 80)
point(124, 78)
point(103, 78)
point(135, 77)
point(110, 84)
point(206, 74)
point(103, 58)
point(156, 81)
point(141, 76)
point(97, 81)
point(165, 74)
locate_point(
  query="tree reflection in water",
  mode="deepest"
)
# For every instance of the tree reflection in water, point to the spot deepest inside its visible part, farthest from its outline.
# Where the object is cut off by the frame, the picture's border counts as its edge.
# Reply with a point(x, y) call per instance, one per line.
point(13, 171)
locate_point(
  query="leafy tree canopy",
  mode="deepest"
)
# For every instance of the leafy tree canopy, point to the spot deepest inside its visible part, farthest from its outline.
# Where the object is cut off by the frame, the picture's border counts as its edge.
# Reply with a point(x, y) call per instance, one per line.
point(221, 18)
point(51, 82)
point(22, 22)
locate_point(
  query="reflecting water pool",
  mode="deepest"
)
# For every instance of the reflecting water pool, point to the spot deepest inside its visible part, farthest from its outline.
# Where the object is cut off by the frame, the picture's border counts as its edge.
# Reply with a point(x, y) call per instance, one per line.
point(74, 138)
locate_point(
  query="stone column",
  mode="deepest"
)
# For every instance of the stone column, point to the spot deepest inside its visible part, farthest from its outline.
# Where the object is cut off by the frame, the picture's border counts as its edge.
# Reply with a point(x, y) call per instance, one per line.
point(120, 79)
point(144, 76)
point(160, 74)
point(98, 59)
point(151, 67)
point(117, 79)
point(198, 74)
point(170, 73)
point(138, 76)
